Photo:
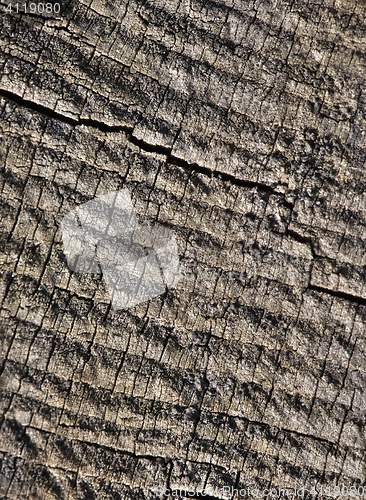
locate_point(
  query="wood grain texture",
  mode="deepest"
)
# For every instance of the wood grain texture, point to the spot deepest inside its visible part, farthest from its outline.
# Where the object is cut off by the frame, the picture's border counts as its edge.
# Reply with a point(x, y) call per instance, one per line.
point(240, 126)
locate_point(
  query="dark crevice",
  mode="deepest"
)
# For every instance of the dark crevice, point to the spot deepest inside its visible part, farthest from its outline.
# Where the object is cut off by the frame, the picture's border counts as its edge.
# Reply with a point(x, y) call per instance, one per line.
point(334, 293)
point(288, 204)
point(302, 239)
point(179, 162)
point(298, 237)
point(50, 113)
point(150, 148)
point(340, 295)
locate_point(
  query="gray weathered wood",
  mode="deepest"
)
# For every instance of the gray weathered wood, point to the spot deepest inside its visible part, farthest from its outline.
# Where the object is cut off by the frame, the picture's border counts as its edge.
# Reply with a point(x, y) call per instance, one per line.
point(241, 126)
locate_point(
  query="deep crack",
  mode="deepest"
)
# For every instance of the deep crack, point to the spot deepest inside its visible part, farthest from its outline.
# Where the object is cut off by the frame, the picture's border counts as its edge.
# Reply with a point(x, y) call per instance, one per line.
point(149, 148)
point(179, 162)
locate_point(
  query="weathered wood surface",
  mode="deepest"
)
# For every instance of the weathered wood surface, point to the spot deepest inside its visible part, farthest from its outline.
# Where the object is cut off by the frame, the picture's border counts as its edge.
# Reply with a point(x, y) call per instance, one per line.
point(241, 126)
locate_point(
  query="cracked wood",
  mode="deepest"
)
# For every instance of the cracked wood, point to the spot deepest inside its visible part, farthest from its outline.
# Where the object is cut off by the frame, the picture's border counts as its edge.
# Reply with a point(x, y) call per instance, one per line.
point(241, 126)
